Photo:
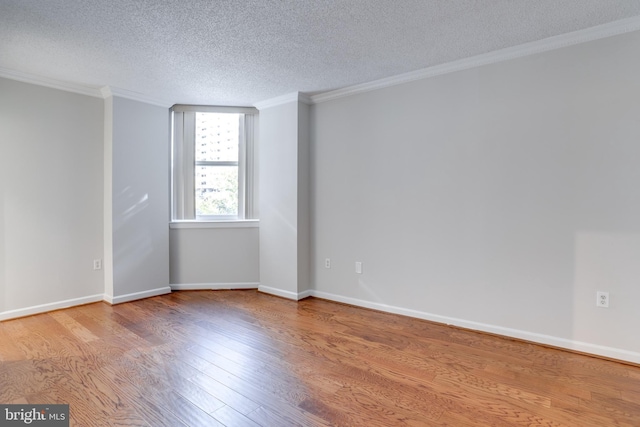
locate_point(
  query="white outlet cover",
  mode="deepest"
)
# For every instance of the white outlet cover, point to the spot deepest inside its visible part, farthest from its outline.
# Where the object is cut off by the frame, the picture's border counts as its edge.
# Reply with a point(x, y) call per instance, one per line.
point(602, 299)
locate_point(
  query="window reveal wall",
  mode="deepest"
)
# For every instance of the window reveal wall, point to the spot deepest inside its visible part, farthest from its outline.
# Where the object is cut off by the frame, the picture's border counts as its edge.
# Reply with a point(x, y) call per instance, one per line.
point(139, 201)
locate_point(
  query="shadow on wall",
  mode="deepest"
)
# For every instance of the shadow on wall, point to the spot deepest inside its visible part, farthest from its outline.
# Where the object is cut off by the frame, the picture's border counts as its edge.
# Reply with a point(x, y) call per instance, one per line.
point(132, 235)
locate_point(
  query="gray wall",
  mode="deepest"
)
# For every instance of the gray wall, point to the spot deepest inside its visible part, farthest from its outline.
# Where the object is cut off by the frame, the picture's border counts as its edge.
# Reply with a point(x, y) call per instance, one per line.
point(284, 200)
point(213, 258)
point(304, 200)
point(499, 198)
point(50, 198)
point(82, 178)
point(139, 199)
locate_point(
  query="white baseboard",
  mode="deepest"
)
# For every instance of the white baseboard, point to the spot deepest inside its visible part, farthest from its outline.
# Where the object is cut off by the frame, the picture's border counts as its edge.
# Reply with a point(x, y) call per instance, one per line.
point(305, 294)
point(285, 294)
point(43, 308)
point(213, 286)
point(136, 295)
point(595, 349)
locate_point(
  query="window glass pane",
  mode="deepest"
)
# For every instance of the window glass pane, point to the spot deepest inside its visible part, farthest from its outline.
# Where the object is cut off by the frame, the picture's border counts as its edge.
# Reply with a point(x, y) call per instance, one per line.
point(217, 136)
point(216, 190)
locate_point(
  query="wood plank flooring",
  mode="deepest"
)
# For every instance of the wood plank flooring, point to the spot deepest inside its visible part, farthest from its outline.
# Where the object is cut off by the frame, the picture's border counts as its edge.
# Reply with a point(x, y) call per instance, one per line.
point(242, 358)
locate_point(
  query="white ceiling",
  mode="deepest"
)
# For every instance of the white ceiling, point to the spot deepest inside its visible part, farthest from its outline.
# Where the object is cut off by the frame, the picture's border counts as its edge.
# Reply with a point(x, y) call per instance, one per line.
point(240, 52)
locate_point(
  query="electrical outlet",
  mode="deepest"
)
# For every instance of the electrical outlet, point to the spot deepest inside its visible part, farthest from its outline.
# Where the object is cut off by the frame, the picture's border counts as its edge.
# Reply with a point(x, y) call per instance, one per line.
point(358, 267)
point(97, 264)
point(327, 263)
point(602, 299)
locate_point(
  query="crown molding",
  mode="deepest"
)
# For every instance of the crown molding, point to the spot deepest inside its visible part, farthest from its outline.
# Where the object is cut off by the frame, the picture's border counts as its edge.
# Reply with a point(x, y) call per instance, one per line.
point(283, 99)
point(93, 91)
point(108, 91)
point(557, 42)
point(50, 83)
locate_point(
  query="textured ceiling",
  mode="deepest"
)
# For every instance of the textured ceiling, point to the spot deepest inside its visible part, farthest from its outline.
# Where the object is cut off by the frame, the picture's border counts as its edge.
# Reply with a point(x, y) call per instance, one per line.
point(239, 52)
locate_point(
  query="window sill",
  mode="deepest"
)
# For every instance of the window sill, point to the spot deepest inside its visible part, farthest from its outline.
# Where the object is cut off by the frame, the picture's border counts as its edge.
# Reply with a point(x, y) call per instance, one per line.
point(236, 223)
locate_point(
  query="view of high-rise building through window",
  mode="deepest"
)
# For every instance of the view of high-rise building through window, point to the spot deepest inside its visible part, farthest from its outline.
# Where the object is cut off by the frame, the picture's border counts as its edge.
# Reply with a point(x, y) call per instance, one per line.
point(212, 163)
point(216, 168)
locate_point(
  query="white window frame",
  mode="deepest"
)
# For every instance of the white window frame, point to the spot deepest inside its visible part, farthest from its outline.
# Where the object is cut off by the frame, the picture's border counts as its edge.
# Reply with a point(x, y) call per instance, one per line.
point(183, 162)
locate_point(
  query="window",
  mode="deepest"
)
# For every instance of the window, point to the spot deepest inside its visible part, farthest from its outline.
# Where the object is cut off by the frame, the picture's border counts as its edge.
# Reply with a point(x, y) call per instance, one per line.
point(212, 163)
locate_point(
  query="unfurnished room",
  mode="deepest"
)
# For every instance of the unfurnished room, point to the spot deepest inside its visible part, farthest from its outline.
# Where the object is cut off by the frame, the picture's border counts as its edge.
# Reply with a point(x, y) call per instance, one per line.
point(319, 213)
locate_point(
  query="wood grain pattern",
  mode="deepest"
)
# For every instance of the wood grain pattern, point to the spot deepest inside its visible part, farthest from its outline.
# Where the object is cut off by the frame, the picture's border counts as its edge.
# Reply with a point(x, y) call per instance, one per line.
point(242, 358)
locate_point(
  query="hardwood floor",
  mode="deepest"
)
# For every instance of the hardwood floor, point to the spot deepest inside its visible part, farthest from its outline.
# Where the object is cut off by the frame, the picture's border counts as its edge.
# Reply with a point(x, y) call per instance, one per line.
point(241, 358)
